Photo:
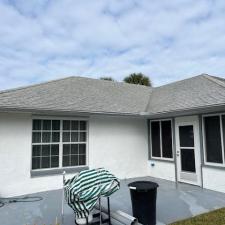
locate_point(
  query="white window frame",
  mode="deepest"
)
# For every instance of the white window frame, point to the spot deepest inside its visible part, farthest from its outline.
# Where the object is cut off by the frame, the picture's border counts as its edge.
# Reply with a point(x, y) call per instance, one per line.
point(61, 142)
point(160, 133)
point(221, 138)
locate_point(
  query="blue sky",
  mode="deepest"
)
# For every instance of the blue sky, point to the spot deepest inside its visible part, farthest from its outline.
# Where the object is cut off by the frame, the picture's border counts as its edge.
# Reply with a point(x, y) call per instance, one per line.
point(167, 40)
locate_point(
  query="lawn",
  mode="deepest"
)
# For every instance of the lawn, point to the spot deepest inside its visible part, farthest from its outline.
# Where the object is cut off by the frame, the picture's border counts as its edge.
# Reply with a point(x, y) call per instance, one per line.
point(216, 217)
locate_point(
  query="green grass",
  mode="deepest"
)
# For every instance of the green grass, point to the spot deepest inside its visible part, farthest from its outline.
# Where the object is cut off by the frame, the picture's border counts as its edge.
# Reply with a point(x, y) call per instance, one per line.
point(216, 217)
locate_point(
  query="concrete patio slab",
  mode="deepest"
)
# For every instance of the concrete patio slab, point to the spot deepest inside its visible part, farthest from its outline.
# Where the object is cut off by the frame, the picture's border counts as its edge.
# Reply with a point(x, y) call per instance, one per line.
point(173, 203)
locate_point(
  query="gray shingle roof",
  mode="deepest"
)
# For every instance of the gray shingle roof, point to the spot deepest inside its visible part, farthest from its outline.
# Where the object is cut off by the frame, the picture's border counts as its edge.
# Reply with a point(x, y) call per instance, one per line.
point(78, 94)
point(196, 92)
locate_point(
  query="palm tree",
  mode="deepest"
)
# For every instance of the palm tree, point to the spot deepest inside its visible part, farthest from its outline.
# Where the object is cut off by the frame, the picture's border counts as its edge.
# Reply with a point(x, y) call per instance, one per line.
point(107, 78)
point(138, 78)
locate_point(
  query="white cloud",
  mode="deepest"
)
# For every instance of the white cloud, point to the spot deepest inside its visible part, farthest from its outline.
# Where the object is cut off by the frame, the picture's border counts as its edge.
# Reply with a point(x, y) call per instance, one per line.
point(167, 40)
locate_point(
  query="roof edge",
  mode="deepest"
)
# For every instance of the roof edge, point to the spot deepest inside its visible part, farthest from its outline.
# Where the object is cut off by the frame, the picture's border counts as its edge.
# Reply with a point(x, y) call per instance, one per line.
point(65, 112)
point(183, 111)
point(214, 80)
point(33, 85)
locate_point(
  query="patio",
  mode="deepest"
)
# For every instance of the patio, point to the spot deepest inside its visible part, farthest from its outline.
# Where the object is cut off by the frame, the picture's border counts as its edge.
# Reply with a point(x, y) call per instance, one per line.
point(172, 204)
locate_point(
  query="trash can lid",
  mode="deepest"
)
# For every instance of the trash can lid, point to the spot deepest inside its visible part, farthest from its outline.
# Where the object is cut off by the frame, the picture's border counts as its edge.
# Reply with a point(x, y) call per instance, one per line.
point(143, 185)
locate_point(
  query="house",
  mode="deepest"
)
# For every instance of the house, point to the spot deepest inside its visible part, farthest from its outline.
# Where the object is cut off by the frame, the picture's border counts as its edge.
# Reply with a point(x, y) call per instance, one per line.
point(174, 132)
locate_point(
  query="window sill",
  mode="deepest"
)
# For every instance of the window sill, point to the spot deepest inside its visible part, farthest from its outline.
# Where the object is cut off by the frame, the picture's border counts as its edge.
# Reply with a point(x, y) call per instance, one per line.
point(57, 171)
point(162, 160)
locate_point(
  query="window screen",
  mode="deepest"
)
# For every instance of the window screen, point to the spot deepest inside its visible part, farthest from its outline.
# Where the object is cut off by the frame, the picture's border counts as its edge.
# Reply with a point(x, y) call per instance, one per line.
point(213, 139)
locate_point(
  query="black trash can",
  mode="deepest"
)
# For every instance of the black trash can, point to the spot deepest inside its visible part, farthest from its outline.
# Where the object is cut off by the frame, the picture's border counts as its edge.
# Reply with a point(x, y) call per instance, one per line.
point(143, 198)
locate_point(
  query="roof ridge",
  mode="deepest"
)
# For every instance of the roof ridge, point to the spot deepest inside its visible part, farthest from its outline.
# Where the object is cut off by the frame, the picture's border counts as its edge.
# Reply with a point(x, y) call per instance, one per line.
point(115, 82)
point(70, 77)
point(214, 80)
point(34, 85)
point(178, 81)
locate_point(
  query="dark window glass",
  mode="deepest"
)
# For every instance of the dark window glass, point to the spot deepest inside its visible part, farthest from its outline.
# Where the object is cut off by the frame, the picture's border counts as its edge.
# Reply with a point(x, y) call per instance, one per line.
point(46, 137)
point(36, 137)
point(223, 124)
point(74, 136)
point(74, 160)
point(36, 124)
point(66, 149)
point(54, 149)
point(82, 125)
point(46, 124)
point(55, 124)
point(82, 160)
point(74, 125)
point(186, 136)
point(66, 124)
point(48, 133)
point(82, 149)
point(187, 160)
point(66, 136)
point(55, 161)
point(167, 147)
point(45, 162)
point(82, 136)
point(213, 139)
point(36, 163)
point(155, 136)
point(45, 150)
point(36, 150)
point(74, 149)
point(55, 136)
point(66, 160)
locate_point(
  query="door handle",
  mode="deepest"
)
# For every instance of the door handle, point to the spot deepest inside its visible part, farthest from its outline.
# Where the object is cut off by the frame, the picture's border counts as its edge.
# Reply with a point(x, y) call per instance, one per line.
point(178, 153)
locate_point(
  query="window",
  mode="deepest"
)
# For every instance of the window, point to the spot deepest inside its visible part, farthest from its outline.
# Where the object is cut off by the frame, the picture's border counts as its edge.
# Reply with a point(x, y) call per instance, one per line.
point(74, 143)
point(214, 129)
point(161, 139)
point(58, 143)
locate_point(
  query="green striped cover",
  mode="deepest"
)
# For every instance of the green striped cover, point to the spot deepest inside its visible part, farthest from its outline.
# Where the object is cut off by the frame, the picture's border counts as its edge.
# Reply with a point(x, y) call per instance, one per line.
point(83, 190)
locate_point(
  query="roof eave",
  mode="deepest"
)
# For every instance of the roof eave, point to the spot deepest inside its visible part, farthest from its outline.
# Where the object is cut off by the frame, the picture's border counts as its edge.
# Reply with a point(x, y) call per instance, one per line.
point(185, 112)
point(65, 112)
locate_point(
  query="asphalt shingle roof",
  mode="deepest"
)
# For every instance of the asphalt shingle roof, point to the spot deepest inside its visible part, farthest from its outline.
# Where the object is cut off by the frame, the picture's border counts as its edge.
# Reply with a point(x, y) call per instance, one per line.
point(79, 94)
point(196, 92)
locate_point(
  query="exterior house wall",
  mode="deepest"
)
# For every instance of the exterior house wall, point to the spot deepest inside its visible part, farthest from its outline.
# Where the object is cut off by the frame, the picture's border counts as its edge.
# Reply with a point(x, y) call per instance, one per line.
point(160, 169)
point(116, 143)
point(120, 145)
point(15, 158)
point(214, 179)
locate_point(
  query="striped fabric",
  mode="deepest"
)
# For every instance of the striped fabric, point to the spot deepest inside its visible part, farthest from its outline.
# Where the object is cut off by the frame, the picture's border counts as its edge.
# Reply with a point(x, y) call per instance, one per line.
point(83, 190)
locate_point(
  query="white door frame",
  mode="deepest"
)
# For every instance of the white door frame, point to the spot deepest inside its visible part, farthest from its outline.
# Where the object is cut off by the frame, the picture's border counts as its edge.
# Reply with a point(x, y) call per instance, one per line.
point(182, 176)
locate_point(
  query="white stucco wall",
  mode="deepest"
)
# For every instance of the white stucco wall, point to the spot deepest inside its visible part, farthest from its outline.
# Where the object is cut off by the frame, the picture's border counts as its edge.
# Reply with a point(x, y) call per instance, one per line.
point(118, 144)
point(214, 179)
point(159, 169)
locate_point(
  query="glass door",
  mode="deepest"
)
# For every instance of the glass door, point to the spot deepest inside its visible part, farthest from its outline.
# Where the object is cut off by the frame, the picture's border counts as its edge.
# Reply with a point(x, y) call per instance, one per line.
point(188, 150)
